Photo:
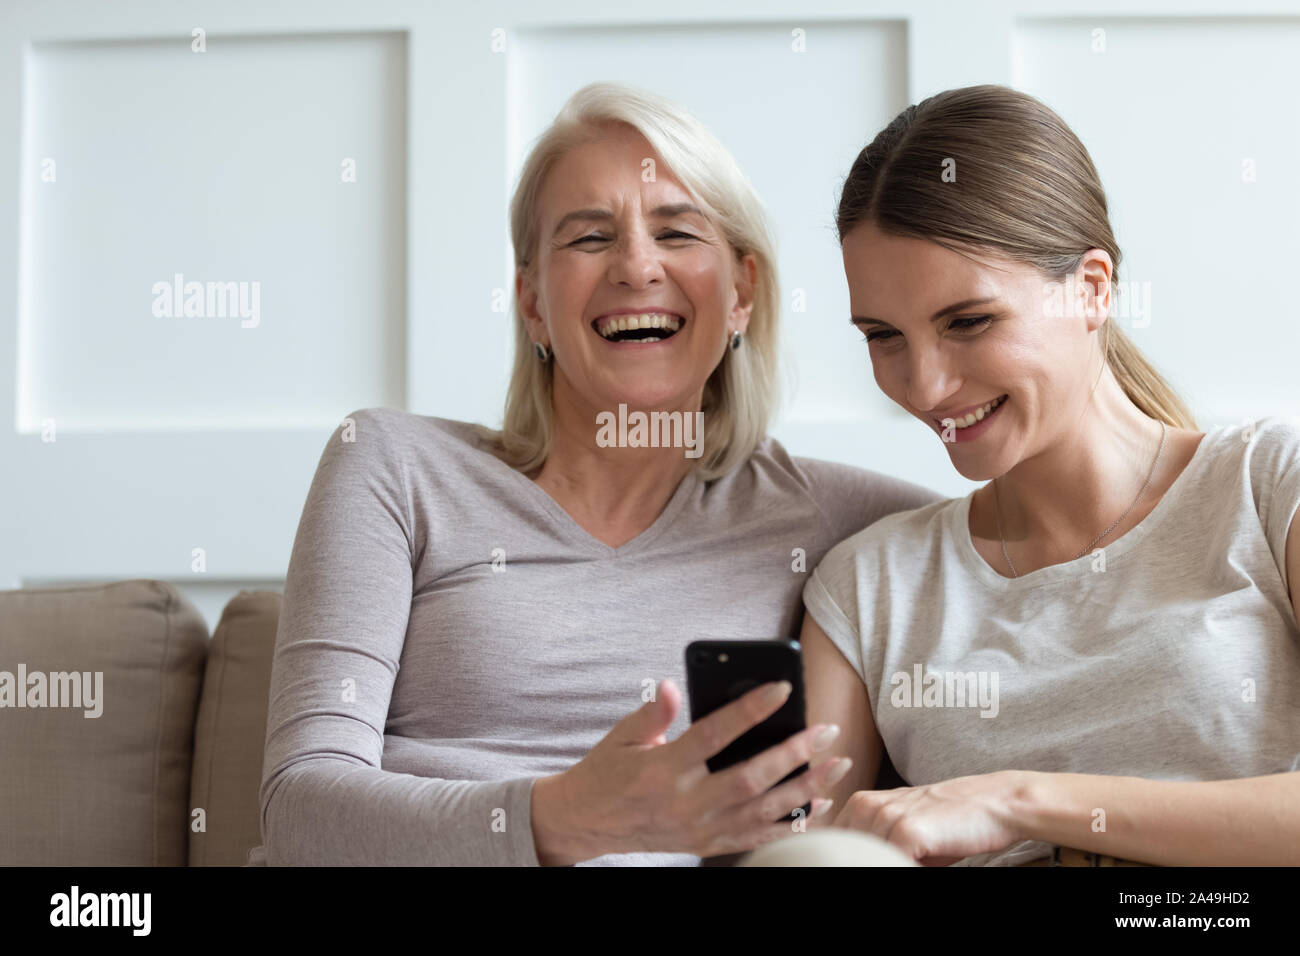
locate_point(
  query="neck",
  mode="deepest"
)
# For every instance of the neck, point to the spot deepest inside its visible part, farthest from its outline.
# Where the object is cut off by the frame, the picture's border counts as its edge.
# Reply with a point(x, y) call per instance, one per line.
point(1069, 492)
point(609, 487)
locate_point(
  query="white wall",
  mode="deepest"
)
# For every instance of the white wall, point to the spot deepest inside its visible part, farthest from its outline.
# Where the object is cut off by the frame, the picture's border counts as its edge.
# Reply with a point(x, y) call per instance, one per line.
point(175, 433)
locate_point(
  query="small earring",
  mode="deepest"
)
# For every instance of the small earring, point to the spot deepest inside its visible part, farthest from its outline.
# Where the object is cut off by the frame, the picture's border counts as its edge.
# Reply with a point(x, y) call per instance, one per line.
point(542, 352)
point(735, 340)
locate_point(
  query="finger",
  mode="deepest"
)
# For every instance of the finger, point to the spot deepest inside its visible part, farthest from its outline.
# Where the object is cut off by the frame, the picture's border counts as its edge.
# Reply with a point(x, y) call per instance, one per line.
point(711, 734)
point(890, 812)
point(809, 787)
point(757, 781)
point(859, 811)
point(649, 723)
point(752, 837)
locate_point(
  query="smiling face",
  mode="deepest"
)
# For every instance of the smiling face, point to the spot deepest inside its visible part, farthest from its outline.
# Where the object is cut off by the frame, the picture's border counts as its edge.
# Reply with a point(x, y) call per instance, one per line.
point(969, 343)
point(633, 289)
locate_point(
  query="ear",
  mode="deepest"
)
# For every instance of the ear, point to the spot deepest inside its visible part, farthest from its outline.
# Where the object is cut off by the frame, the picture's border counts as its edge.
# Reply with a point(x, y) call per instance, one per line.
point(1093, 280)
point(526, 295)
point(746, 281)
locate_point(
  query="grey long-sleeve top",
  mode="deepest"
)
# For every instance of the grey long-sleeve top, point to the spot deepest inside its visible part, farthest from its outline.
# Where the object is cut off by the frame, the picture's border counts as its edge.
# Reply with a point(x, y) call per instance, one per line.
point(449, 634)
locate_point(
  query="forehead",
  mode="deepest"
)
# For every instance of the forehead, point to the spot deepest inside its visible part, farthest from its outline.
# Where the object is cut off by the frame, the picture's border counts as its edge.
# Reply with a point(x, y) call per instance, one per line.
point(898, 277)
point(609, 169)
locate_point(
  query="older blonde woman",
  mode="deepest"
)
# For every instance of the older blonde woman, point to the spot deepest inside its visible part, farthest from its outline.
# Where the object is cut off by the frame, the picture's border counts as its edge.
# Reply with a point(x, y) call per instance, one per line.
point(475, 623)
point(1098, 648)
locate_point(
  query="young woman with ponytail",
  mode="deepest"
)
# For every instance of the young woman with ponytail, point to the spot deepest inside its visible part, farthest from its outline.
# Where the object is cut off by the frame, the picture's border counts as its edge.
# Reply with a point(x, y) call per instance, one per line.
point(1098, 648)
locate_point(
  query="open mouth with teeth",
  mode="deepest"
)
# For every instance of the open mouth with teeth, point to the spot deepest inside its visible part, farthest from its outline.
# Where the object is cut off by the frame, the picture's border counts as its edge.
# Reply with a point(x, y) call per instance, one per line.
point(971, 418)
point(643, 327)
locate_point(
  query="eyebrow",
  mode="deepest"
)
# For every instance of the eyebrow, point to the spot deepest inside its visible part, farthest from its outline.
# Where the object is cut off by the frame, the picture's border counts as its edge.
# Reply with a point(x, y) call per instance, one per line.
point(946, 310)
point(667, 211)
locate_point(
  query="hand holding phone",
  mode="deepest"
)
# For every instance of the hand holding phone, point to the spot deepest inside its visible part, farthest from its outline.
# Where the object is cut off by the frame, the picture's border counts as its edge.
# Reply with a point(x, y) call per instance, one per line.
point(635, 791)
point(718, 672)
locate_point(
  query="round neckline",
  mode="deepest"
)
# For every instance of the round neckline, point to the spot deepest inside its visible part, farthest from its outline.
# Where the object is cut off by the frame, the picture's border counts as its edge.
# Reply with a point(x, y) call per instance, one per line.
point(959, 527)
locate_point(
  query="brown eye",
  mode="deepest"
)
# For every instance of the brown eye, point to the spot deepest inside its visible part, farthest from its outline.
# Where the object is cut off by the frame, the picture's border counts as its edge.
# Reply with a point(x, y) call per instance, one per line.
point(969, 323)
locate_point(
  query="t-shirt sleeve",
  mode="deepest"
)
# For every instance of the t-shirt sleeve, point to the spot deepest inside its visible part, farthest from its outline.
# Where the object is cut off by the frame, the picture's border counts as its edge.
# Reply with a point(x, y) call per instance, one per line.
point(1274, 453)
point(325, 799)
point(830, 596)
point(852, 498)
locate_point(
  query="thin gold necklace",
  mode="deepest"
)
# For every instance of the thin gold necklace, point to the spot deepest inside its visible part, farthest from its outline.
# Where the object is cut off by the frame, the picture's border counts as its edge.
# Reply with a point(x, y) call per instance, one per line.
point(997, 507)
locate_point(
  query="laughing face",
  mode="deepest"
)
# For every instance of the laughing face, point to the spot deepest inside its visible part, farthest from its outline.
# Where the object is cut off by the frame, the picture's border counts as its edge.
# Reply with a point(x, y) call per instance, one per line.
point(969, 348)
point(635, 291)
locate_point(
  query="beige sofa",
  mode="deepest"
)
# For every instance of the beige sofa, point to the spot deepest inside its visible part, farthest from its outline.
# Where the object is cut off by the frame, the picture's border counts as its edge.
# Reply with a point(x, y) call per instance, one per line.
point(168, 773)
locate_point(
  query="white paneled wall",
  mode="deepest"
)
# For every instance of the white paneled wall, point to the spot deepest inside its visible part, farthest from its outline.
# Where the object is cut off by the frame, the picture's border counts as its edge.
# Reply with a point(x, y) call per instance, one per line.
point(186, 244)
point(354, 160)
point(1193, 125)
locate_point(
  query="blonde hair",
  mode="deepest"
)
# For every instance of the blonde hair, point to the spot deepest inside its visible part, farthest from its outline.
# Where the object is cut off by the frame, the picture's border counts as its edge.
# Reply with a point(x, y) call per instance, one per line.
point(741, 394)
point(1025, 188)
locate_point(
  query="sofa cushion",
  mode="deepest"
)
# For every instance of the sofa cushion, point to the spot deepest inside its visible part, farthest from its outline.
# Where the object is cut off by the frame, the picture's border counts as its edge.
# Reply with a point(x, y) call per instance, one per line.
point(111, 789)
point(230, 736)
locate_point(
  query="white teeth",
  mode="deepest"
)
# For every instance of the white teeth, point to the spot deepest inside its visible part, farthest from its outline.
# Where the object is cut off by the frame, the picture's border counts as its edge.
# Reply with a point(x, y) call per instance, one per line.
point(645, 320)
point(966, 421)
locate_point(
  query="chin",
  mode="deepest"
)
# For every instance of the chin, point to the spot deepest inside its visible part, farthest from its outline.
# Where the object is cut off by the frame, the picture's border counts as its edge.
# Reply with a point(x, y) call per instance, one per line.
point(973, 472)
point(648, 400)
point(975, 467)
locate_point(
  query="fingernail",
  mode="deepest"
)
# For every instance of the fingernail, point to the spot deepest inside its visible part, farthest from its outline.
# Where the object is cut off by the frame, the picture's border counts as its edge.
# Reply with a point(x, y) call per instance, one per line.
point(821, 807)
point(839, 770)
point(823, 737)
point(778, 692)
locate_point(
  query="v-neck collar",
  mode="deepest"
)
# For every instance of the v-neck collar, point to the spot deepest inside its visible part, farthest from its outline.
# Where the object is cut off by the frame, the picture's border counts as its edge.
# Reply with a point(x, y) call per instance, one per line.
point(959, 529)
point(580, 536)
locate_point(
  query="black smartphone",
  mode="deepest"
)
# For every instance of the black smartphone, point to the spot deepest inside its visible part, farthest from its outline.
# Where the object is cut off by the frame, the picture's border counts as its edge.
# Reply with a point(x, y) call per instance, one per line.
point(717, 672)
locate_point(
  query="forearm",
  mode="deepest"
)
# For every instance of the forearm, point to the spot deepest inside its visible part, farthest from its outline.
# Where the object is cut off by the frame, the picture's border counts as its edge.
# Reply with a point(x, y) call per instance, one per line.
point(1248, 822)
point(326, 812)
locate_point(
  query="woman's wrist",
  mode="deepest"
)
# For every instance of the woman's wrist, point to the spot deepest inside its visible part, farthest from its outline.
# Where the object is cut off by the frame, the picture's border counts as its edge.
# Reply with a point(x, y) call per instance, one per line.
point(1031, 801)
point(555, 840)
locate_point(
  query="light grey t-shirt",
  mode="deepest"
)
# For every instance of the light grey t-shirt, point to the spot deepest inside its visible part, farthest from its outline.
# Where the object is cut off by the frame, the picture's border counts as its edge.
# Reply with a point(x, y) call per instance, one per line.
point(1172, 654)
point(449, 634)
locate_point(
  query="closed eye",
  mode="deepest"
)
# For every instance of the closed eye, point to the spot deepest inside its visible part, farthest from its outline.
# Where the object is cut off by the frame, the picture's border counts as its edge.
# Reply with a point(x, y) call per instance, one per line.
point(964, 324)
point(670, 234)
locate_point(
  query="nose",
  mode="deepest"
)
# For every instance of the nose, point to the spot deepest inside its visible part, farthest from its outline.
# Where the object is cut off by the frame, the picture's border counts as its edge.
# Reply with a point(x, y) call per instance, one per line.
point(930, 377)
point(634, 262)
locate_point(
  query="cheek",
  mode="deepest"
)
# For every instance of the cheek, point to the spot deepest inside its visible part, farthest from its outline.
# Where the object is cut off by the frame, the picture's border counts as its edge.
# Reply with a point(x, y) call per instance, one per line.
point(703, 278)
point(569, 277)
point(885, 369)
point(1033, 363)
